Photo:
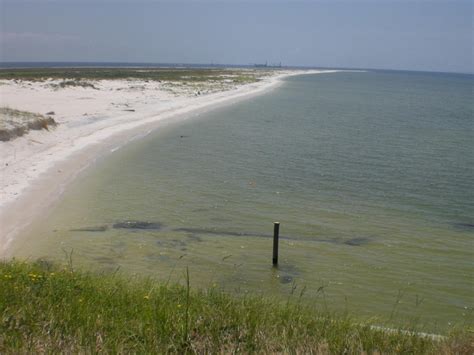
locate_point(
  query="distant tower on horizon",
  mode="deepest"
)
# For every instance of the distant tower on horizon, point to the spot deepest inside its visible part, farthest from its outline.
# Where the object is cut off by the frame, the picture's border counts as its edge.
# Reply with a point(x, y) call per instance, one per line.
point(262, 65)
point(274, 65)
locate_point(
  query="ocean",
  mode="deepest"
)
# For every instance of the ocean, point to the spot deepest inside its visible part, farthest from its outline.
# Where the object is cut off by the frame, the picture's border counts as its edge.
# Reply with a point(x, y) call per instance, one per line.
point(369, 173)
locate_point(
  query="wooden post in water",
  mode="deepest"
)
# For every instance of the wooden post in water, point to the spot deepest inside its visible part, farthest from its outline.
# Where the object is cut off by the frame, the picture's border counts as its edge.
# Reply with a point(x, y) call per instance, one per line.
point(276, 234)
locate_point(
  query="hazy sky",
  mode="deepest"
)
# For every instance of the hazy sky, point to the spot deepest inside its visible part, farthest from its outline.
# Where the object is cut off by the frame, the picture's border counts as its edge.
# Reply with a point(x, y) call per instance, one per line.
point(397, 34)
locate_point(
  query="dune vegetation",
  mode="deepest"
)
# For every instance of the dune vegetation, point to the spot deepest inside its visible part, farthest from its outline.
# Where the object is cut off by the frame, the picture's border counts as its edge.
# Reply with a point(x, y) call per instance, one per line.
point(15, 123)
point(47, 308)
point(81, 75)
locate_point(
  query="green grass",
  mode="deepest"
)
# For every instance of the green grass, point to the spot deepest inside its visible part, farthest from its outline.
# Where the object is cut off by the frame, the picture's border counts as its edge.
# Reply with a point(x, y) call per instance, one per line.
point(45, 308)
point(162, 74)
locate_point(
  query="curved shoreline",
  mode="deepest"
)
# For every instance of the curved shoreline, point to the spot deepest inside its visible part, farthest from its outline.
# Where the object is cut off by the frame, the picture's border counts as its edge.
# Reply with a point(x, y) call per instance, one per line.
point(38, 175)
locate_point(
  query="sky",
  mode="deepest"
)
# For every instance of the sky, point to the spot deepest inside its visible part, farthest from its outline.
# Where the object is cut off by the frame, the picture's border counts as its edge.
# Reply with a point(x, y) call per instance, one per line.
point(384, 34)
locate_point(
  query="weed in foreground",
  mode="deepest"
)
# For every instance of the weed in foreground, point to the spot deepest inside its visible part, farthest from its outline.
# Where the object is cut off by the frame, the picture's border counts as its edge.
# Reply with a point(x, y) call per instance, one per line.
point(46, 308)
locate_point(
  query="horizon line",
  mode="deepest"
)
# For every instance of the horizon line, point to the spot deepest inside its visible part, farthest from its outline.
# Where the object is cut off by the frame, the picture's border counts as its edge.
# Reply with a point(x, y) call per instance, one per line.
point(252, 65)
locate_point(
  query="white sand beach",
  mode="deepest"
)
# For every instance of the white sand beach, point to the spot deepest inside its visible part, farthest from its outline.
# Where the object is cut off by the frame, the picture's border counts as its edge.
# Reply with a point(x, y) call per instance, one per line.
point(36, 167)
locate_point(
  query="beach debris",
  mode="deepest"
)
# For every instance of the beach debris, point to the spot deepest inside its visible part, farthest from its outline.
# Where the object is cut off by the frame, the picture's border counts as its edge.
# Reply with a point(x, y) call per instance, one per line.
point(138, 225)
point(90, 229)
point(129, 110)
point(35, 141)
point(51, 113)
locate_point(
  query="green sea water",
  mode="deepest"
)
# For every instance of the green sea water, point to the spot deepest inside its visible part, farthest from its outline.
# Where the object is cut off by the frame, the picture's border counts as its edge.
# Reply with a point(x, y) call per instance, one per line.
point(369, 173)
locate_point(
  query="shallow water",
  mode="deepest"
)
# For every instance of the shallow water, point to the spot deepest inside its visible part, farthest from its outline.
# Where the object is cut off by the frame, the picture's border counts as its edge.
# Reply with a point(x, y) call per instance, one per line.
point(370, 175)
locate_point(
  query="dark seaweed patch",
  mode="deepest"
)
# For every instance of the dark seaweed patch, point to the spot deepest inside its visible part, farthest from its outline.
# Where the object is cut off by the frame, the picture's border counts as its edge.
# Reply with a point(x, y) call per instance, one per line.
point(174, 243)
point(194, 232)
point(357, 241)
point(203, 231)
point(468, 226)
point(91, 229)
point(142, 225)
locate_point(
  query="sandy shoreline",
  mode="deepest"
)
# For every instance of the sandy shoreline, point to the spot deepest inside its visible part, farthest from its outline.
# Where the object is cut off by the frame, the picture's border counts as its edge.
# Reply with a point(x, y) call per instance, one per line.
point(35, 168)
